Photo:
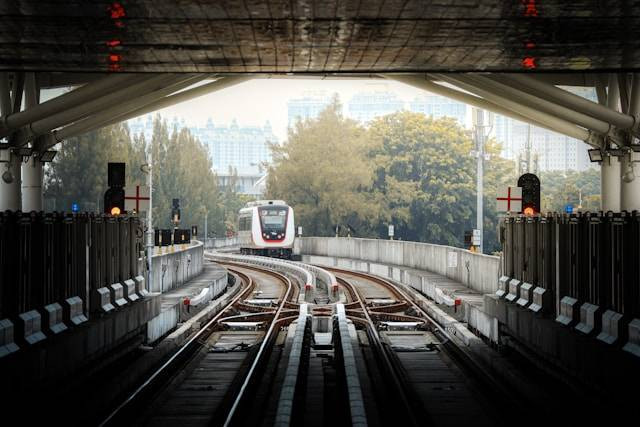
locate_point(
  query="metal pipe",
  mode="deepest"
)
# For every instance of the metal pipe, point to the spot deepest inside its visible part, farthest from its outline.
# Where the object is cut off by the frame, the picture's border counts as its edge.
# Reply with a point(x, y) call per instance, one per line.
point(32, 170)
point(541, 104)
point(630, 168)
point(556, 124)
point(178, 82)
point(420, 82)
point(569, 100)
point(45, 125)
point(610, 182)
point(221, 83)
point(11, 122)
point(5, 94)
point(634, 101)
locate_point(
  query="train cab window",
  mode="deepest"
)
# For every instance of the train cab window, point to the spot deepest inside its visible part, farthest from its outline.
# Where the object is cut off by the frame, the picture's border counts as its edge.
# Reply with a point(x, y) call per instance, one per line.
point(273, 219)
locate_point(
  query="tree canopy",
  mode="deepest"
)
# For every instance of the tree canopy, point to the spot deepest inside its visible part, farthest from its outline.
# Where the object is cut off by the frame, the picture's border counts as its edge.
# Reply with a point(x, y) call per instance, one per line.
point(181, 170)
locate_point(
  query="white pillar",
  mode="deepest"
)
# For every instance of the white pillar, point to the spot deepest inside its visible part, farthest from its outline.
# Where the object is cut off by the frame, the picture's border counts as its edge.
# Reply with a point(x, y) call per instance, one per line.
point(610, 183)
point(10, 198)
point(31, 170)
point(32, 185)
point(630, 191)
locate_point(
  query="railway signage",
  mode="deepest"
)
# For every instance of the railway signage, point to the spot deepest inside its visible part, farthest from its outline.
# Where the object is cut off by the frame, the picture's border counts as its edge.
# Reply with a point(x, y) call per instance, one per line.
point(509, 199)
point(137, 199)
point(391, 230)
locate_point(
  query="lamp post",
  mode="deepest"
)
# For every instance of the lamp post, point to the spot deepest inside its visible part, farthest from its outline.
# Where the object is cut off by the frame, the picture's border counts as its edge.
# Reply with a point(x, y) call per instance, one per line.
point(148, 169)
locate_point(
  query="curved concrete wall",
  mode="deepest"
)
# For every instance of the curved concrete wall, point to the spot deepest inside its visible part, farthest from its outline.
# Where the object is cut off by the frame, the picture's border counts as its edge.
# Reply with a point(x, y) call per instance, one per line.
point(172, 269)
point(476, 271)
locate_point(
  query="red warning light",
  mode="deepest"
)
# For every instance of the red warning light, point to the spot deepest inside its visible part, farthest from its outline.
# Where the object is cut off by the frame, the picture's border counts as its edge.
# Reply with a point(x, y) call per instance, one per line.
point(529, 45)
point(114, 57)
point(113, 43)
point(116, 10)
point(530, 8)
point(529, 62)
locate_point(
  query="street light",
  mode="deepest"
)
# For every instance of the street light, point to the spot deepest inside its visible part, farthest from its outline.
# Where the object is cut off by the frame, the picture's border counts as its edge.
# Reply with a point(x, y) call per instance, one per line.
point(47, 156)
point(595, 155)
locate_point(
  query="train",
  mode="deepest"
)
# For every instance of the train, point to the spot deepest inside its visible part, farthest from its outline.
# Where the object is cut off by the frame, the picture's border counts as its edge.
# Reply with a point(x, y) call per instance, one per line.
point(266, 228)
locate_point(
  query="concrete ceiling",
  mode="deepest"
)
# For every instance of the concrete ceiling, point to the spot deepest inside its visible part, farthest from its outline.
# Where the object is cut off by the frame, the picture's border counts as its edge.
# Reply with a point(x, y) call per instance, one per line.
point(319, 36)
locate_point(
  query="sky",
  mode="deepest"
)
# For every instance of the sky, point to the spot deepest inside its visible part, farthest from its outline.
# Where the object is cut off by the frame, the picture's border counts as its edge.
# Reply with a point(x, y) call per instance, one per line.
point(254, 102)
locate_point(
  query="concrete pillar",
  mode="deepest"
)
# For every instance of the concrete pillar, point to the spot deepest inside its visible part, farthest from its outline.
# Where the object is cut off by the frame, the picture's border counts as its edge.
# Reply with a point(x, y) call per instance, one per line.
point(630, 177)
point(10, 177)
point(610, 183)
point(32, 172)
point(32, 175)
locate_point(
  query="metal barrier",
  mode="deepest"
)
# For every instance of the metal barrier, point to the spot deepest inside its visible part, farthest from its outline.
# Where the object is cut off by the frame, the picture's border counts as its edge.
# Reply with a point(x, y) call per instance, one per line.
point(588, 264)
point(52, 263)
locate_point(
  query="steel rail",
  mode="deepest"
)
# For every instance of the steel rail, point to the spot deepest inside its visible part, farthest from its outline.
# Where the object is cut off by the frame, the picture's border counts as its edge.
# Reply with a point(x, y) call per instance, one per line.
point(448, 343)
point(260, 353)
point(249, 284)
point(383, 351)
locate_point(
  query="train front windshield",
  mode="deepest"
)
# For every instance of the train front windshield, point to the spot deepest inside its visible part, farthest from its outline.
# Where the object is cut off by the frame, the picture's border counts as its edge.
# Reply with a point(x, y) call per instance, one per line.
point(273, 219)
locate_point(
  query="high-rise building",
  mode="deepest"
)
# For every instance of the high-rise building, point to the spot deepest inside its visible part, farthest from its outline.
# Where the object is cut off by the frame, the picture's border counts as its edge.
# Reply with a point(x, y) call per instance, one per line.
point(366, 106)
point(242, 149)
point(438, 106)
point(234, 150)
point(555, 151)
point(307, 107)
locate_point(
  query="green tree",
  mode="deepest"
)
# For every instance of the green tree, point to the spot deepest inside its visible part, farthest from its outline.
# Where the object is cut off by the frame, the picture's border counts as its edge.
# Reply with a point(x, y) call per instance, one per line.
point(559, 188)
point(425, 173)
point(78, 173)
point(323, 171)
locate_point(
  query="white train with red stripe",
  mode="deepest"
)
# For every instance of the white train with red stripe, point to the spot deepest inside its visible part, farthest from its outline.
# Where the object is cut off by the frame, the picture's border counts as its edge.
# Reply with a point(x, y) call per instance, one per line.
point(266, 227)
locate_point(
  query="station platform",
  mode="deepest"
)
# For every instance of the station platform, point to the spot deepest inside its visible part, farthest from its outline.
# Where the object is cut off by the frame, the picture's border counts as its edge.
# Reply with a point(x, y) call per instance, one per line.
point(183, 302)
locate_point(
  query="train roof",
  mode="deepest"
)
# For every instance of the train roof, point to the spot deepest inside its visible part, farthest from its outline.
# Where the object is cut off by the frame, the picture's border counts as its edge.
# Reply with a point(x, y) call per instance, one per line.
point(265, 203)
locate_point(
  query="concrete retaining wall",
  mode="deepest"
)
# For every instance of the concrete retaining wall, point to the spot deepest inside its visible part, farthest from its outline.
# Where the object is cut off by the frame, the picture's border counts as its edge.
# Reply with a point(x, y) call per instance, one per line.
point(173, 268)
point(476, 271)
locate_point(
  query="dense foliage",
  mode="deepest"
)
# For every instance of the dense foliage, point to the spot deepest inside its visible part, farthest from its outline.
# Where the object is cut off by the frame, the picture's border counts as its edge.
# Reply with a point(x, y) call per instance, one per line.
point(404, 169)
point(181, 169)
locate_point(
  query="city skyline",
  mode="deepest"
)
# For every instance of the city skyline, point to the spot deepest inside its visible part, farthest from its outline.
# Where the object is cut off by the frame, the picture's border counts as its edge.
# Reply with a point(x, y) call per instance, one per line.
point(361, 100)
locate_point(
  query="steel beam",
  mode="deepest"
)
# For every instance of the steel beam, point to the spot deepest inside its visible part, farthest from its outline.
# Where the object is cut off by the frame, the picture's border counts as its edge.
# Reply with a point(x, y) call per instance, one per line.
point(5, 94)
point(569, 100)
point(630, 189)
point(17, 90)
point(117, 97)
point(99, 120)
point(32, 170)
point(556, 124)
point(541, 104)
point(421, 82)
point(14, 120)
point(221, 83)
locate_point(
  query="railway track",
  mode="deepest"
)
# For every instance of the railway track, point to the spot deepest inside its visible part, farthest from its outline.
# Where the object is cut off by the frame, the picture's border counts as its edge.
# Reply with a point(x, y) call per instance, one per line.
point(374, 358)
point(194, 384)
point(423, 377)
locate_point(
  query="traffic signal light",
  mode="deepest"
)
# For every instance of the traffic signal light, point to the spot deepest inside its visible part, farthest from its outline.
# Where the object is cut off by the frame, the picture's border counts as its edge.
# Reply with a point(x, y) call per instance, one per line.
point(175, 211)
point(530, 185)
point(114, 201)
point(114, 196)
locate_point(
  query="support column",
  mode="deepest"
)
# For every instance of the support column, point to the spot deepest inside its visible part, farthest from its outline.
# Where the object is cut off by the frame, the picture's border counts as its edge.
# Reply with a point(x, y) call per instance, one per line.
point(10, 176)
point(630, 170)
point(630, 177)
point(610, 183)
point(32, 175)
point(32, 172)
point(10, 198)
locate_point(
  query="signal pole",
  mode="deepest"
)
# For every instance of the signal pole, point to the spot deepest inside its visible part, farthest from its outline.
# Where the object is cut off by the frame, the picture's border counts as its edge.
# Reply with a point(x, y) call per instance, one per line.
point(481, 128)
point(150, 233)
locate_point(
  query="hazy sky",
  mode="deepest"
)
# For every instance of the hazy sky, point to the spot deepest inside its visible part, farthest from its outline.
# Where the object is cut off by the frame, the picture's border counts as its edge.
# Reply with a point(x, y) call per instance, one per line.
point(256, 101)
